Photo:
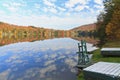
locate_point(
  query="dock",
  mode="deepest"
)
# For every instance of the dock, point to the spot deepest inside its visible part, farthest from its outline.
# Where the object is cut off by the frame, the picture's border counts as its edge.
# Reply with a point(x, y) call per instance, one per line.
point(110, 51)
point(102, 71)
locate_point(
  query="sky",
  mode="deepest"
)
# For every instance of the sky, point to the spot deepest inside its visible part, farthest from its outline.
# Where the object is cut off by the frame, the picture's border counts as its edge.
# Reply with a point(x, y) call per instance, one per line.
point(55, 14)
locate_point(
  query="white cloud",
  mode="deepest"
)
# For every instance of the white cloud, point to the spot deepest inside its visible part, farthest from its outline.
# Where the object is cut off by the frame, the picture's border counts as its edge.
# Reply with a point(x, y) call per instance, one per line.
point(50, 9)
point(79, 8)
point(37, 6)
point(68, 14)
point(12, 6)
point(2, 12)
point(16, 4)
point(45, 9)
point(99, 6)
point(13, 9)
point(92, 11)
point(69, 5)
point(61, 9)
point(87, 7)
point(100, 2)
point(53, 10)
point(53, 0)
point(6, 5)
point(72, 3)
point(48, 3)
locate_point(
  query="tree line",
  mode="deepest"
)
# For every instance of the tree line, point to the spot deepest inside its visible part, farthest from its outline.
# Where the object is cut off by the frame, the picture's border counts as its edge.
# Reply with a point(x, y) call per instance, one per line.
point(91, 33)
point(9, 30)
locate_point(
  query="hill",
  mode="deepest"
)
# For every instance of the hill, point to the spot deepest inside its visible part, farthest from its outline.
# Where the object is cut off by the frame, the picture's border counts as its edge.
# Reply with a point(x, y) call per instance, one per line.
point(88, 27)
point(7, 29)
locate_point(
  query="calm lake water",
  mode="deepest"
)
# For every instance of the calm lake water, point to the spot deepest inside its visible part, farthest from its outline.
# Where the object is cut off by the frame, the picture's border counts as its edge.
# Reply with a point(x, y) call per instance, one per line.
point(52, 59)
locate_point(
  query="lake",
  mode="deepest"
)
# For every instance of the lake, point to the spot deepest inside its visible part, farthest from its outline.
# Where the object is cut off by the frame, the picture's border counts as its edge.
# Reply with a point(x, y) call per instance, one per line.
point(51, 59)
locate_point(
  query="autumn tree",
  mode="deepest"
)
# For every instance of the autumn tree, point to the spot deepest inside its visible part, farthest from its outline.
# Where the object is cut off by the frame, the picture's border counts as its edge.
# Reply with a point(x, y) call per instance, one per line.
point(113, 27)
point(103, 19)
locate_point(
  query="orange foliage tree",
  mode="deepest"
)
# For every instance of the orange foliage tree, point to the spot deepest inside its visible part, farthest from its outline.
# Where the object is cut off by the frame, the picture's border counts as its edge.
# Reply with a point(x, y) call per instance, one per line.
point(113, 27)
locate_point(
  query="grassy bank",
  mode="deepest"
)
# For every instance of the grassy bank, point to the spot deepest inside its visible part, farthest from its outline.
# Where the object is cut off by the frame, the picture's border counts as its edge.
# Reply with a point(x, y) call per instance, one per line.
point(98, 57)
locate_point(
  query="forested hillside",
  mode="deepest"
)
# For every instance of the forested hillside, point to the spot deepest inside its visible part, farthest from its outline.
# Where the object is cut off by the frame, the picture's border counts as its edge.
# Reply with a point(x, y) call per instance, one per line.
point(85, 30)
point(88, 27)
point(15, 30)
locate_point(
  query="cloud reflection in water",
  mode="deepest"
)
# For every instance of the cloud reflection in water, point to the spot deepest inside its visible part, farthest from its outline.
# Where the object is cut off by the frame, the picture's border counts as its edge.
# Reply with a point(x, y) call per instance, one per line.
point(53, 59)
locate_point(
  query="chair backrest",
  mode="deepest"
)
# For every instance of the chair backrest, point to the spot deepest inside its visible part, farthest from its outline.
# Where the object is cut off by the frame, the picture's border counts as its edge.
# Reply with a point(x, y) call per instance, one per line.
point(83, 57)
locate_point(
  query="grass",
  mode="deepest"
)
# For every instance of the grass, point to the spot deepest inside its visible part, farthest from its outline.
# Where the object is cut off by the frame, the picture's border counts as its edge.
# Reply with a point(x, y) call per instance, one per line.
point(97, 57)
point(80, 76)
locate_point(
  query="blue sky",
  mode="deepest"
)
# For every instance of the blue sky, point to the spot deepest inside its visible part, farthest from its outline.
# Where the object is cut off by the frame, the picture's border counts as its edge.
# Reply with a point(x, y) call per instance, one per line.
point(56, 14)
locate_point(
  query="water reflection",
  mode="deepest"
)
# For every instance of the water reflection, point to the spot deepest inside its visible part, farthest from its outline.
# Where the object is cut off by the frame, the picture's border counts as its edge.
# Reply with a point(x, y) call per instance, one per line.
point(89, 39)
point(52, 59)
